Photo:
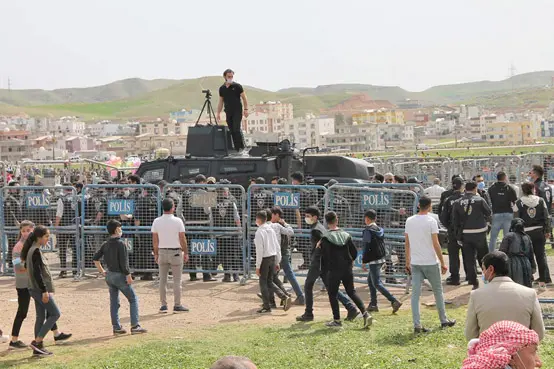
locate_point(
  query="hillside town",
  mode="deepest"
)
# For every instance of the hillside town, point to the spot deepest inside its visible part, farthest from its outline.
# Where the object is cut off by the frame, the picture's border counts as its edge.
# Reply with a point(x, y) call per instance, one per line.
point(358, 124)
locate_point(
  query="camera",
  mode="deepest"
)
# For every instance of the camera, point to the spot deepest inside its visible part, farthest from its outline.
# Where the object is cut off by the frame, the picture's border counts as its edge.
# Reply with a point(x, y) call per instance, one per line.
point(208, 93)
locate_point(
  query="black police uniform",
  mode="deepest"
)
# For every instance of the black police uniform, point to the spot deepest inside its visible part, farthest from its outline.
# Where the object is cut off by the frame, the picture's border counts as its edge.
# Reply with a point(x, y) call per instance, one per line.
point(453, 246)
point(226, 215)
point(68, 218)
point(199, 216)
point(12, 217)
point(537, 225)
point(544, 191)
point(469, 216)
point(146, 211)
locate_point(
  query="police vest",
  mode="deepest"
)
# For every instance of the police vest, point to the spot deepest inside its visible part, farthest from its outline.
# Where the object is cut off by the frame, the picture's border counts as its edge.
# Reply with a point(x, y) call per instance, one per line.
point(68, 216)
point(223, 215)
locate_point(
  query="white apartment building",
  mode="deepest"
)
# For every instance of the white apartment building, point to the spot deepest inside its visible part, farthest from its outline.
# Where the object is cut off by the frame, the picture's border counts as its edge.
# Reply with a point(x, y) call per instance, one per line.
point(277, 114)
point(310, 131)
point(164, 127)
point(256, 122)
point(68, 125)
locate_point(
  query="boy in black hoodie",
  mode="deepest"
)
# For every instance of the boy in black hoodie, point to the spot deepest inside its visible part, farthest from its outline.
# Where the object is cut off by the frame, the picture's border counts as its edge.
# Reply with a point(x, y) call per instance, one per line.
point(337, 257)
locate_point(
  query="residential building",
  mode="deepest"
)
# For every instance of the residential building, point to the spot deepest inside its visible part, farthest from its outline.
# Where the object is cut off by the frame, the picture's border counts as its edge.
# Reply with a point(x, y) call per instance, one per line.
point(184, 115)
point(13, 145)
point(440, 127)
point(108, 128)
point(79, 143)
point(146, 144)
point(67, 125)
point(547, 128)
point(379, 116)
point(370, 136)
point(164, 127)
point(510, 133)
point(310, 131)
point(256, 122)
point(277, 113)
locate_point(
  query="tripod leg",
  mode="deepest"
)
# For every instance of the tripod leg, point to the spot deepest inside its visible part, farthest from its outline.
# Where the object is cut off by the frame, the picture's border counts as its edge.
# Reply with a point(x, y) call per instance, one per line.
point(202, 111)
point(211, 112)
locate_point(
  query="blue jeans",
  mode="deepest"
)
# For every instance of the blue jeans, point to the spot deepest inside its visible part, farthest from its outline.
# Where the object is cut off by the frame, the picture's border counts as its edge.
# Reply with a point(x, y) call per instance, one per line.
point(289, 273)
point(47, 314)
point(374, 283)
point(501, 221)
point(433, 274)
point(117, 282)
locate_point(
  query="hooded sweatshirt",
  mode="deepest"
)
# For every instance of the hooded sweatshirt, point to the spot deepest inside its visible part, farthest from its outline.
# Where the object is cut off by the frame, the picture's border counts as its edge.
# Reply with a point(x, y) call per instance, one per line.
point(338, 251)
point(532, 209)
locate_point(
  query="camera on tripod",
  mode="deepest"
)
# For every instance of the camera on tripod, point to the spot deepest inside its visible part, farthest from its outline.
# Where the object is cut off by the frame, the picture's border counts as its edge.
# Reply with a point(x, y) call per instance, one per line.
point(208, 108)
point(208, 93)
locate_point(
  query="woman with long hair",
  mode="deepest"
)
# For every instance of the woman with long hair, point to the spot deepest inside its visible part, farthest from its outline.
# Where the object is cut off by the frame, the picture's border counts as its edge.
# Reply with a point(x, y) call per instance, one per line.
point(519, 248)
point(26, 227)
point(41, 287)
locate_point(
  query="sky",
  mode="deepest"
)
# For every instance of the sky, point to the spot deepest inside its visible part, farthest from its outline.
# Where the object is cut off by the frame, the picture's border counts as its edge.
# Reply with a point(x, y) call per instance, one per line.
point(273, 44)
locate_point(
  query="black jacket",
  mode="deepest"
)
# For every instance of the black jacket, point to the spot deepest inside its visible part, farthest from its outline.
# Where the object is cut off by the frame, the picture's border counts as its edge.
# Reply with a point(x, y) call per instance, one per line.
point(502, 196)
point(446, 215)
point(315, 235)
point(544, 191)
point(337, 251)
point(446, 194)
point(477, 216)
point(532, 209)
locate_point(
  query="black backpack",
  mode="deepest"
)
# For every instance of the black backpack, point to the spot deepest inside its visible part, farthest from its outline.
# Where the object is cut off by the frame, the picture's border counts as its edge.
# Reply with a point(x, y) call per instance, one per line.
point(374, 250)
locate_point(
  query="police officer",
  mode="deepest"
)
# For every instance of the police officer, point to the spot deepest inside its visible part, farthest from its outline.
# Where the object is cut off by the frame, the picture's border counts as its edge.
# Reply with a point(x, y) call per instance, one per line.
point(307, 198)
point(146, 210)
point(37, 213)
point(470, 216)
point(481, 188)
point(96, 214)
point(12, 215)
point(199, 216)
point(66, 217)
point(339, 204)
point(542, 189)
point(453, 246)
point(446, 194)
point(532, 209)
point(226, 215)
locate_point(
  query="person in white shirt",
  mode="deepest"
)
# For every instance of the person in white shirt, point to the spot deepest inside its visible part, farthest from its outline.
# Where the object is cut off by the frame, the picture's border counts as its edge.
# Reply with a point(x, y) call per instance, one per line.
point(268, 257)
point(423, 253)
point(436, 190)
point(170, 251)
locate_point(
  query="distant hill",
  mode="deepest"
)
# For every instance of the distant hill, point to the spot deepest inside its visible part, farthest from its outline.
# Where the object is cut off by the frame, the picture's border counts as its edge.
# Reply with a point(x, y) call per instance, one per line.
point(135, 98)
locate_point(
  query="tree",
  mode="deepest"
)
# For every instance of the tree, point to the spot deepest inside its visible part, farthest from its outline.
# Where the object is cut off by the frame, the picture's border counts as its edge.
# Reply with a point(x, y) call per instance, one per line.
point(339, 119)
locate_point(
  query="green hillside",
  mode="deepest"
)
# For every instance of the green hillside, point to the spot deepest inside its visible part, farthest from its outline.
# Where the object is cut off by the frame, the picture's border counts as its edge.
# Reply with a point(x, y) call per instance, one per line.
point(135, 98)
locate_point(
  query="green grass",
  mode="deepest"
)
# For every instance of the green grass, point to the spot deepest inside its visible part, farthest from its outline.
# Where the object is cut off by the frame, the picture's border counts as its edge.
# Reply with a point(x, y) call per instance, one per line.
point(389, 344)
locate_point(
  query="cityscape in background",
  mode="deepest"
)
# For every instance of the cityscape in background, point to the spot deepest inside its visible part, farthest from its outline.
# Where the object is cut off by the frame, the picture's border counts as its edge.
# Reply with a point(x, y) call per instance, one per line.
point(357, 124)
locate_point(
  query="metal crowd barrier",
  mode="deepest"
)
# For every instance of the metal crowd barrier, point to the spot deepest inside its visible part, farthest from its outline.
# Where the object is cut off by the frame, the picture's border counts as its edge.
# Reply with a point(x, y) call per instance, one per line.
point(53, 206)
point(393, 207)
point(135, 206)
point(293, 200)
point(426, 169)
point(215, 227)
point(547, 307)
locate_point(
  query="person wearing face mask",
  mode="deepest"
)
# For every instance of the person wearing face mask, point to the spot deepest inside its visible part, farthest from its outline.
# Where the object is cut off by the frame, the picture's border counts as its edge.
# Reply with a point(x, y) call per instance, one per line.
point(505, 345)
point(481, 188)
point(118, 278)
point(230, 96)
point(470, 215)
point(501, 299)
point(311, 217)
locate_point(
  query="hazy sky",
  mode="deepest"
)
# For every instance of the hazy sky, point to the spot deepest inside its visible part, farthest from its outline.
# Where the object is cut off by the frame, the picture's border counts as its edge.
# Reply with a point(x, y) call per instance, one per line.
point(273, 44)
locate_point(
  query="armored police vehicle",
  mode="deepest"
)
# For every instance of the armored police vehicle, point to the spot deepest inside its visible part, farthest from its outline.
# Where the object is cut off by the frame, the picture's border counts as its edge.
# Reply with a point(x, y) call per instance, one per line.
point(210, 156)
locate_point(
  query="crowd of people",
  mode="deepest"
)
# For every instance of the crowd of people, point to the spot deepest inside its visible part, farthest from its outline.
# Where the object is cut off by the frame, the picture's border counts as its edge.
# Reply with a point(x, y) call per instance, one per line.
point(468, 211)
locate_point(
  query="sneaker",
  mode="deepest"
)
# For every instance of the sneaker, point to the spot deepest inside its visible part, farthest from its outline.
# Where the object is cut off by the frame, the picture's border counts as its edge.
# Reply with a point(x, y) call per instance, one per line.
point(236, 277)
point(209, 279)
point(138, 330)
point(305, 318)
point(263, 310)
point(62, 337)
point(180, 309)
point(163, 309)
point(419, 330)
point(352, 314)
point(452, 282)
point(120, 331)
point(62, 274)
point(226, 278)
point(272, 305)
point(334, 324)
point(38, 348)
point(299, 301)
point(368, 320)
point(448, 323)
point(17, 345)
point(287, 303)
point(542, 286)
point(475, 286)
point(396, 306)
point(372, 309)
point(193, 278)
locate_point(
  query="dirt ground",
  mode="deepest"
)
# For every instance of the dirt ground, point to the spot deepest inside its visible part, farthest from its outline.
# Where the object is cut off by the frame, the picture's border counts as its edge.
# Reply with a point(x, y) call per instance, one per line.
point(85, 306)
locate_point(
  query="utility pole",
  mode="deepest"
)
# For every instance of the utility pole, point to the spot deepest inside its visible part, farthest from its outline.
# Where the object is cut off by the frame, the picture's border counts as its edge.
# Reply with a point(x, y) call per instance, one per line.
point(512, 72)
point(9, 85)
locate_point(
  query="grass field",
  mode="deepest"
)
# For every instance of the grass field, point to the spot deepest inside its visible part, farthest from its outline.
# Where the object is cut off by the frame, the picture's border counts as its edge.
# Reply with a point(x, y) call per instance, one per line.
point(389, 344)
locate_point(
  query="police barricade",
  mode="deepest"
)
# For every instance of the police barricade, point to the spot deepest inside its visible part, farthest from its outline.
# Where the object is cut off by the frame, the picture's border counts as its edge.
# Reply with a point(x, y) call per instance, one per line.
point(426, 169)
point(293, 200)
point(3, 174)
point(215, 227)
point(393, 207)
point(135, 207)
point(543, 159)
point(378, 162)
point(489, 166)
point(55, 207)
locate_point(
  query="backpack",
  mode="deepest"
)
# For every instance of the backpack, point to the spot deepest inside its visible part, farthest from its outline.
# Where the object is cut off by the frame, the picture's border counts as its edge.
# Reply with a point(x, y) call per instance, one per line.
point(375, 249)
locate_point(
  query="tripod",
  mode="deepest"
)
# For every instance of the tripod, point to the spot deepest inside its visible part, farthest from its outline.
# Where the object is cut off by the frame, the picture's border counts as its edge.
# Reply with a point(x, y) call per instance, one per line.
point(208, 107)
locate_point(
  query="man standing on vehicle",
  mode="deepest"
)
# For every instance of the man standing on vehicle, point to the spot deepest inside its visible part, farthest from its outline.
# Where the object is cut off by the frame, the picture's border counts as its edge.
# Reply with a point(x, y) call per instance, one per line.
point(230, 95)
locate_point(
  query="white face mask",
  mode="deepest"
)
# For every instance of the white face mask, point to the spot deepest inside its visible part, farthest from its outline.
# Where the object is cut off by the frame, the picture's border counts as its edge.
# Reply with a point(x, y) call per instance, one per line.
point(309, 221)
point(126, 193)
point(229, 80)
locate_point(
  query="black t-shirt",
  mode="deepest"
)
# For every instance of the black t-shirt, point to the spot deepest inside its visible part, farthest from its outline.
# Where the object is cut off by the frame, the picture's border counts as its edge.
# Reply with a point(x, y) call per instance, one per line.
point(231, 97)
